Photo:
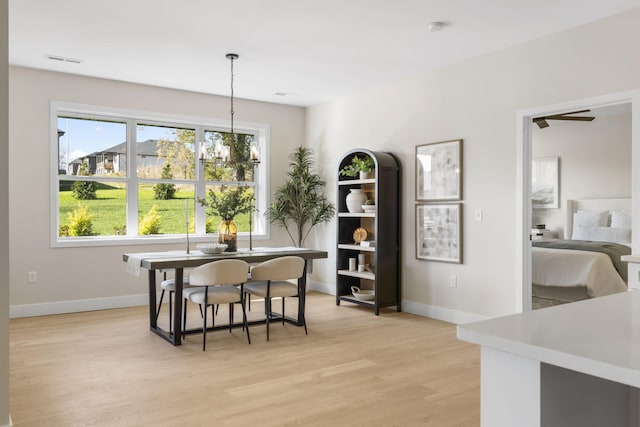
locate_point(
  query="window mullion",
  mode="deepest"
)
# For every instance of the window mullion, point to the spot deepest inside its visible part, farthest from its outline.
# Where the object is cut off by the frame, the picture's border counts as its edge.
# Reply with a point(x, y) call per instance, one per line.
point(132, 186)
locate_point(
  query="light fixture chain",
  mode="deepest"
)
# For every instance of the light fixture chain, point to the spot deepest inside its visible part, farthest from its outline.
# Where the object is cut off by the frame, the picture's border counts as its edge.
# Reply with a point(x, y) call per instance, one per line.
point(232, 112)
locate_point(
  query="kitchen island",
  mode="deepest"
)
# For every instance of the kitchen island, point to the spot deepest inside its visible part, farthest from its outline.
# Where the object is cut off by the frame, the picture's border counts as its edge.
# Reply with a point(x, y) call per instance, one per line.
point(575, 364)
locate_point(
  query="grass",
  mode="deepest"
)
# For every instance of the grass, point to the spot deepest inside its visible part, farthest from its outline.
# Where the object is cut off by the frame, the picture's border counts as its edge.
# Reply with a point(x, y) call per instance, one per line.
point(109, 210)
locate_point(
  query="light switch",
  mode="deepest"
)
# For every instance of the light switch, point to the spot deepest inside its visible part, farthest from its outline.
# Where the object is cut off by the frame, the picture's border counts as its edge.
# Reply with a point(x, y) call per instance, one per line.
point(478, 215)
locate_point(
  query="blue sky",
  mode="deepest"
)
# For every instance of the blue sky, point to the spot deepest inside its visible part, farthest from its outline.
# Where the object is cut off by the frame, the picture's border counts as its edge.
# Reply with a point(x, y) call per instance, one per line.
point(86, 136)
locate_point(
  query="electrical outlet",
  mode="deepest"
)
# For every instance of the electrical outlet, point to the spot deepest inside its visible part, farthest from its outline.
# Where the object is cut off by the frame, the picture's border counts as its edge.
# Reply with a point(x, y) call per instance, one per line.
point(453, 281)
point(32, 277)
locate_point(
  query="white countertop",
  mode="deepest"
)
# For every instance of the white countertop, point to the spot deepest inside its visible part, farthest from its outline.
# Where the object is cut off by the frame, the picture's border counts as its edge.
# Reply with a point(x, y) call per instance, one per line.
point(599, 337)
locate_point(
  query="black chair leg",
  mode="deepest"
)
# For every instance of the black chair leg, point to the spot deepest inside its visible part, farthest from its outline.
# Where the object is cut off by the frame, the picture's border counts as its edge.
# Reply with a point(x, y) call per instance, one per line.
point(184, 318)
point(159, 305)
point(204, 329)
point(230, 316)
point(267, 306)
point(283, 310)
point(245, 324)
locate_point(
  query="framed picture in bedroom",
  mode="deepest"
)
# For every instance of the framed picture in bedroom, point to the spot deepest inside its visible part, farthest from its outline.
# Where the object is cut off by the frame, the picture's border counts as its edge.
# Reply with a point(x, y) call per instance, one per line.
point(439, 232)
point(545, 183)
point(439, 171)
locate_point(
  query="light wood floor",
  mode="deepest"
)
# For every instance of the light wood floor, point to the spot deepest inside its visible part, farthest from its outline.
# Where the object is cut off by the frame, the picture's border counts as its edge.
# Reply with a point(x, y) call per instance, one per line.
point(353, 369)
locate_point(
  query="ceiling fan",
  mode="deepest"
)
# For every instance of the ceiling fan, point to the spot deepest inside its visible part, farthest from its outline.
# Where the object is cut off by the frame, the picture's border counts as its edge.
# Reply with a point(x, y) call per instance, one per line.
point(542, 121)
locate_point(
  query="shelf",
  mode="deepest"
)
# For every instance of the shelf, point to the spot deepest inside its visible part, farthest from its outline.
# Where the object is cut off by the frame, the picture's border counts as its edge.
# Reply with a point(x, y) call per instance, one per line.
point(357, 181)
point(357, 247)
point(356, 301)
point(364, 275)
point(356, 215)
point(382, 223)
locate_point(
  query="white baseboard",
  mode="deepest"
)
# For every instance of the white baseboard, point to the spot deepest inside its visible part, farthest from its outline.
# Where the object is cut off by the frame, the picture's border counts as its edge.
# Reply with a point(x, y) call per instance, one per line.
point(440, 313)
point(75, 306)
point(424, 310)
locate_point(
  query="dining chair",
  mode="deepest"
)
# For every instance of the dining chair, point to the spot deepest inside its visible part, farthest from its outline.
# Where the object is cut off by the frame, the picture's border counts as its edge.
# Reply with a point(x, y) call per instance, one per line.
point(271, 280)
point(169, 285)
point(222, 283)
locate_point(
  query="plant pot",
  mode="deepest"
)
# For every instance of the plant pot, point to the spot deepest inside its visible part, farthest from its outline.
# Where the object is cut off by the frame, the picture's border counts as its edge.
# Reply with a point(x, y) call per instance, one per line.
point(228, 234)
point(365, 175)
point(355, 199)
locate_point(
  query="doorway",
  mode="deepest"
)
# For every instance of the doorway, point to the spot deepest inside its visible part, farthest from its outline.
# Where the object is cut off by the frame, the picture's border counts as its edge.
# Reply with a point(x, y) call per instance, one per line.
point(524, 154)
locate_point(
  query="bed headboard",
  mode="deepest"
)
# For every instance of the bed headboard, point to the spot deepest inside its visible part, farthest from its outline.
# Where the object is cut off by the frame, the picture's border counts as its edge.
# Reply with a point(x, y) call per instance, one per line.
point(574, 206)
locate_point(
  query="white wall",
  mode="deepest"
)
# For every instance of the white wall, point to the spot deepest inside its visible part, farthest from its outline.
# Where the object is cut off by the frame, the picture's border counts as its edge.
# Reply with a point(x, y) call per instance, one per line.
point(476, 100)
point(595, 161)
point(4, 213)
point(95, 277)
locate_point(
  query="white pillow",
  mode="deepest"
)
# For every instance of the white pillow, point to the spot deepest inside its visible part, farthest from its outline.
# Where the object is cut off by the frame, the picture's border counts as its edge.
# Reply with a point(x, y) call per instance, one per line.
point(602, 234)
point(620, 219)
point(588, 218)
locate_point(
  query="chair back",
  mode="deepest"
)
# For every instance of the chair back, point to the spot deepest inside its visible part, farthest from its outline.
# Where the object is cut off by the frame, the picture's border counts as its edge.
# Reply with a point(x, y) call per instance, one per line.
point(283, 268)
point(222, 272)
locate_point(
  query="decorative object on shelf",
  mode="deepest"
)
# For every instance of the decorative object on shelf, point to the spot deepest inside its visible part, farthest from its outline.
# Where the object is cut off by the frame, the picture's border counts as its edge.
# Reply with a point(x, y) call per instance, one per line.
point(359, 235)
point(544, 183)
point(211, 248)
point(227, 204)
point(299, 203)
point(363, 294)
point(439, 232)
point(352, 264)
point(369, 208)
point(439, 171)
point(361, 167)
point(355, 199)
point(368, 243)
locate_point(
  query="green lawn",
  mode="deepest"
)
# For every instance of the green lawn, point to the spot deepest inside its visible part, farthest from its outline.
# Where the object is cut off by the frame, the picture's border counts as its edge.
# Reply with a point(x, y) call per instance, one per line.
point(109, 210)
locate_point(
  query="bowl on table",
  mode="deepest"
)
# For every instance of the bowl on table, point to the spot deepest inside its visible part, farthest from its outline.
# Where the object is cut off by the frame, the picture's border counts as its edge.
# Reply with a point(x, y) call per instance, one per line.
point(369, 208)
point(212, 248)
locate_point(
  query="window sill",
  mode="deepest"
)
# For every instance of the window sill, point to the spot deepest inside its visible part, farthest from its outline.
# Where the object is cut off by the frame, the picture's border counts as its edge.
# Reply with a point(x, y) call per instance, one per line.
point(78, 242)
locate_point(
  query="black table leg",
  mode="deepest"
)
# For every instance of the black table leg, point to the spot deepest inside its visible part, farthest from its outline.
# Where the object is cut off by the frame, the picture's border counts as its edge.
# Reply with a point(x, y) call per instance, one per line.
point(302, 287)
point(153, 320)
point(177, 308)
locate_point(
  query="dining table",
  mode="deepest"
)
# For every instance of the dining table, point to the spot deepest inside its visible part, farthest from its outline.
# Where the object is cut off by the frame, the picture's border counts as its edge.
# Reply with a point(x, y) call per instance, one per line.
point(180, 260)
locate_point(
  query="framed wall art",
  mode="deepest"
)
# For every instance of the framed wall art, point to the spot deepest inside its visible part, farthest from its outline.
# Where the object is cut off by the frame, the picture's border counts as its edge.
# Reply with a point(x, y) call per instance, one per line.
point(439, 171)
point(544, 183)
point(439, 232)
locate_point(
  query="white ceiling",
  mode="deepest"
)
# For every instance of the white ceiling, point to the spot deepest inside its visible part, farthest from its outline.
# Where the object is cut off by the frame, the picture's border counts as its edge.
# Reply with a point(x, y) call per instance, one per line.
point(315, 50)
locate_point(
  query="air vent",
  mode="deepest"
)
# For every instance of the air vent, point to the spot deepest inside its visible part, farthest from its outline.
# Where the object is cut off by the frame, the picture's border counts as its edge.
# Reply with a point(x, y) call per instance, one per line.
point(63, 59)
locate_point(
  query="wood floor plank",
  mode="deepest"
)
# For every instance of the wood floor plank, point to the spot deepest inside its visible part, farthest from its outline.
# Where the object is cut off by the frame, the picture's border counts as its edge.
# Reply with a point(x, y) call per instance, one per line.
point(105, 368)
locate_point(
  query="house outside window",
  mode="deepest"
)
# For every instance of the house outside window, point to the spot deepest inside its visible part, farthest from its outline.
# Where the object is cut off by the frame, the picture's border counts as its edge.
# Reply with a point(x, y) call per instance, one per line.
point(126, 177)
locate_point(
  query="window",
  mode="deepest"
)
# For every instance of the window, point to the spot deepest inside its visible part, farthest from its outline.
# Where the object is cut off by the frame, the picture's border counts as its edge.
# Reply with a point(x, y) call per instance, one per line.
point(124, 176)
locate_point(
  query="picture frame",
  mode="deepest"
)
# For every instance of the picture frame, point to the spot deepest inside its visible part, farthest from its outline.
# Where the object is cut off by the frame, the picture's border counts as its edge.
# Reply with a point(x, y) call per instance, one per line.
point(545, 183)
point(439, 232)
point(439, 171)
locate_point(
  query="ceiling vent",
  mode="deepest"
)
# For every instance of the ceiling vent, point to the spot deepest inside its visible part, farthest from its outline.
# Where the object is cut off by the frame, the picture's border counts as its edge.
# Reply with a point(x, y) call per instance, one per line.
point(63, 59)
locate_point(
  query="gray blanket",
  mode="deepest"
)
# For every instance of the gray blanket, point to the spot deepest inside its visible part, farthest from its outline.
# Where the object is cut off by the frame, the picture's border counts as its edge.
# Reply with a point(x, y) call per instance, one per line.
point(613, 250)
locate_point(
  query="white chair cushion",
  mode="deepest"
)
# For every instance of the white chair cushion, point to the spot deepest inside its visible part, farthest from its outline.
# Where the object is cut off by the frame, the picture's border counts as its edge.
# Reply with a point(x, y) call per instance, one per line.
point(224, 294)
point(169, 285)
point(278, 289)
point(186, 293)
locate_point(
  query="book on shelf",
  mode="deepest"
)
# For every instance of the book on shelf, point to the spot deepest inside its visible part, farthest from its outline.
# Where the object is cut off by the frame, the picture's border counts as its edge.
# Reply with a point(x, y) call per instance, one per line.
point(368, 243)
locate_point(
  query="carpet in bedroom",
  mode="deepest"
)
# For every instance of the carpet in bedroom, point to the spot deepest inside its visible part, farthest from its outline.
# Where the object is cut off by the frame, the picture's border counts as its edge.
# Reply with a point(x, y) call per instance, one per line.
point(541, 302)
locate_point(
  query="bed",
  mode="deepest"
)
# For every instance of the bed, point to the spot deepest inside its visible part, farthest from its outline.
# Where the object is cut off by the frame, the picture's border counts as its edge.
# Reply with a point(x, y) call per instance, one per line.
point(586, 263)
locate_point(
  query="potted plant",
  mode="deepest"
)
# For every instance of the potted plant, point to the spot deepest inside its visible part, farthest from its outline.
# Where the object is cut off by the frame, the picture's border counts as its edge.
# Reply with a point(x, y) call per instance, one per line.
point(227, 204)
point(299, 203)
point(359, 166)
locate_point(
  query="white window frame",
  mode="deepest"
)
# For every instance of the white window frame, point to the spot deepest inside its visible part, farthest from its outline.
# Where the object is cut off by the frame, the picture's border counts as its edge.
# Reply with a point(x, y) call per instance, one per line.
point(132, 117)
